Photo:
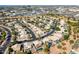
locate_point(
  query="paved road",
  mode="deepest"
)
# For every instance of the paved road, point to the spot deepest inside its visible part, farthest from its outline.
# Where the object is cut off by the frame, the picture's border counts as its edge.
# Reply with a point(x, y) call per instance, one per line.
point(30, 32)
point(8, 38)
point(50, 32)
point(33, 35)
point(7, 41)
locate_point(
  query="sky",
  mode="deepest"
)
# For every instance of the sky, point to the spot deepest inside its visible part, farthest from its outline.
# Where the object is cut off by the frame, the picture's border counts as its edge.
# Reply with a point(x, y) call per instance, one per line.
point(39, 2)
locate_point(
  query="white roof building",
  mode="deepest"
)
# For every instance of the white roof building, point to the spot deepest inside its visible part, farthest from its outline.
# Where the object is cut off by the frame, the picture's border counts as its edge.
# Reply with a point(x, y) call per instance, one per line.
point(37, 43)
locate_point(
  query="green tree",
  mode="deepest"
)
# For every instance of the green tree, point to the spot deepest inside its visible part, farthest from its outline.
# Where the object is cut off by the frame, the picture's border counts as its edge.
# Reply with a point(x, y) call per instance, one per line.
point(59, 46)
point(66, 36)
point(58, 29)
point(71, 41)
